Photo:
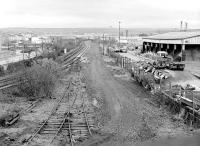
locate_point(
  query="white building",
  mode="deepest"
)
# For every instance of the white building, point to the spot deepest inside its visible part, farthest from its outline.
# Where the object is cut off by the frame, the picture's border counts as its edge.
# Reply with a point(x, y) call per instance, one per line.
point(40, 39)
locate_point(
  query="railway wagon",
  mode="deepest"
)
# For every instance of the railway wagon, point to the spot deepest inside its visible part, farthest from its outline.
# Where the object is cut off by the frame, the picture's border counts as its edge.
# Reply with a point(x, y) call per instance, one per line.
point(141, 75)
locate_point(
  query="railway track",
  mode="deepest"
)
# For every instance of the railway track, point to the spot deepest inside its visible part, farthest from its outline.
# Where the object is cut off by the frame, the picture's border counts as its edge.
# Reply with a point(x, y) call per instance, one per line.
point(82, 120)
point(75, 56)
point(54, 122)
point(9, 81)
point(69, 120)
point(68, 59)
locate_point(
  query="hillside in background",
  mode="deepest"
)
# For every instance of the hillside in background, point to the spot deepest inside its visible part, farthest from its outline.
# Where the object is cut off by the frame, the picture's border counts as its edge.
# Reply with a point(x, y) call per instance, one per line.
point(67, 31)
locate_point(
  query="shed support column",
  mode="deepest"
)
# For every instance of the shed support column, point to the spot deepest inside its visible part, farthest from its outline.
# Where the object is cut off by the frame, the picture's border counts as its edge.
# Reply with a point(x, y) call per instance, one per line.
point(167, 48)
point(147, 47)
point(159, 47)
point(182, 52)
point(151, 47)
point(144, 47)
point(156, 48)
point(174, 49)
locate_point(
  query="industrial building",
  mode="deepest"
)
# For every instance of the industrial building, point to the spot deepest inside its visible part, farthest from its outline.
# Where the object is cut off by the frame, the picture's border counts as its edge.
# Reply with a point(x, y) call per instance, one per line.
point(183, 43)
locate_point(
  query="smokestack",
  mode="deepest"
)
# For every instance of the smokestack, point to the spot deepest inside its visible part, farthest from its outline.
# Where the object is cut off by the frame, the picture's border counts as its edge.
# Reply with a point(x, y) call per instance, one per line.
point(126, 34)
point(186, 25)
point(181, 25)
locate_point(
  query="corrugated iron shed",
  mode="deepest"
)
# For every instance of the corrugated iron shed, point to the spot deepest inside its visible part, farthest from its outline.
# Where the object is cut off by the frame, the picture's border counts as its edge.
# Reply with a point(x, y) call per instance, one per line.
point(175, 35)
point(182, 37)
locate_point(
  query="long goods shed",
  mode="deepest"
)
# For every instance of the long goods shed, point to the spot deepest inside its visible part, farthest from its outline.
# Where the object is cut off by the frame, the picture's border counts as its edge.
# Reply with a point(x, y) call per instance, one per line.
point(185, 44)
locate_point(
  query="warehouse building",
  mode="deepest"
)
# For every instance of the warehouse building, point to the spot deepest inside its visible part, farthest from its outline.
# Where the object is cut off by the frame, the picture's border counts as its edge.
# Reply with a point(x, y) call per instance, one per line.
point(185, 44)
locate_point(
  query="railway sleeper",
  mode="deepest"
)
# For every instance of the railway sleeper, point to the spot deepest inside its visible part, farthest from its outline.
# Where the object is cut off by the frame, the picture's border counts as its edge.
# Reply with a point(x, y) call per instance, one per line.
point(74, 132)
point(67, 127)
point(67, 124)
point(71, 121)
point(74, 128)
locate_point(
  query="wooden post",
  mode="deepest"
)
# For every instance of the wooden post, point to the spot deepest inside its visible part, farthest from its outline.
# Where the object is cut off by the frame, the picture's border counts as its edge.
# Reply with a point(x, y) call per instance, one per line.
point(160, 84)
point(193, 108)
point(103, 44)
point(170, 86)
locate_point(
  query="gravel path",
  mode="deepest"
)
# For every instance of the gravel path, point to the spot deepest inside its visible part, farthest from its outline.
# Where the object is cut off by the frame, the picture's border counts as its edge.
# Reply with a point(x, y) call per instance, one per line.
point(125, 112)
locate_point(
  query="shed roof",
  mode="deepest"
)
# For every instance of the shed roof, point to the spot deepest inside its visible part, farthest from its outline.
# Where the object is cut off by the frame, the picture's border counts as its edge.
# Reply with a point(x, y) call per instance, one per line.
point(175, 35)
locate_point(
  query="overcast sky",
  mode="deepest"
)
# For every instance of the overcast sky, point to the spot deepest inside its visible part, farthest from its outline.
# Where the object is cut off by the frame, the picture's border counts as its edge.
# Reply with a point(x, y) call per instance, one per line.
point(99, 13)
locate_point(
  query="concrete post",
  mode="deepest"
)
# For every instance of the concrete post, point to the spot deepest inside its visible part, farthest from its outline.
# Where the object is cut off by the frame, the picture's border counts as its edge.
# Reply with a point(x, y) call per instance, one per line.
point(121, 59)
point(183, 47)
point(123, 62)
point(65, 51)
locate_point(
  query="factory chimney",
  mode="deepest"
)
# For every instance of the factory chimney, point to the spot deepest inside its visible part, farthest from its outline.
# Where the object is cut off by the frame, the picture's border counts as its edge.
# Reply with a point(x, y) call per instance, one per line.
point(181, 25)
point(126, 34)
point(186, 25)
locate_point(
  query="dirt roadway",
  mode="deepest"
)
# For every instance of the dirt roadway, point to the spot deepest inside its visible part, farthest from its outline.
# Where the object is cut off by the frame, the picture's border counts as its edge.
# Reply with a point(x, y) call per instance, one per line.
point(125, 112)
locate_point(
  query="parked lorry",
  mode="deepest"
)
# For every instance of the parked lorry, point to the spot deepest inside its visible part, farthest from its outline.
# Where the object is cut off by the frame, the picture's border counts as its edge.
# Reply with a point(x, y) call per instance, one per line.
point(169, 63)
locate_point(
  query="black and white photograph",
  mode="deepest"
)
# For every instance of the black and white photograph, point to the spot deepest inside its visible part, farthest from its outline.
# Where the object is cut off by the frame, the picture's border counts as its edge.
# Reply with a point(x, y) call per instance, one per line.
point(99, 73)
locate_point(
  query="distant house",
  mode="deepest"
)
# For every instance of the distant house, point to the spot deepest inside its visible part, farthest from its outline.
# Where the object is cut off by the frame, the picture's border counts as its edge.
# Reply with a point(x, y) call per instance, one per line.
point(136, 40)
point(40, 39)
point(36, 40)
point(16, 37)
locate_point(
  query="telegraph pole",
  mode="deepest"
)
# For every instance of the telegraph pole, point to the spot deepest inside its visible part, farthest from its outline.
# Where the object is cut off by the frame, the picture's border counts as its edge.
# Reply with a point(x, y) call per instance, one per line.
point(42, 47)
point(126, 34)
point(103, 44)
point(8, 46)
point(35, 50)
point(181, 25)
point(23, 51)
point(119, 32)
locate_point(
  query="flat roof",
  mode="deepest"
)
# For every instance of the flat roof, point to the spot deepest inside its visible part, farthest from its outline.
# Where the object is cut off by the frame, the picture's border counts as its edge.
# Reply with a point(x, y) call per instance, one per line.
point(174, 35)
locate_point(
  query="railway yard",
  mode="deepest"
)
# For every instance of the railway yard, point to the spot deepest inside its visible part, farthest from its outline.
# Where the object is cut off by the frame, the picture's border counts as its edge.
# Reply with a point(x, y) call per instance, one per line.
point(102, 99)
point(100, 73)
